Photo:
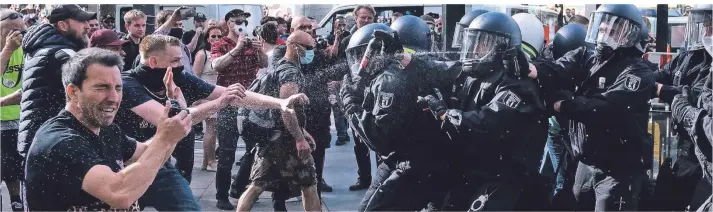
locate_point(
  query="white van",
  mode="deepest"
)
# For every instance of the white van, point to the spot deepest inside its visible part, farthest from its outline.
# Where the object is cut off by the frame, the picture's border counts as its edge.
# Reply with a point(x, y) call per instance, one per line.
point(211, 11)
point(384, 10)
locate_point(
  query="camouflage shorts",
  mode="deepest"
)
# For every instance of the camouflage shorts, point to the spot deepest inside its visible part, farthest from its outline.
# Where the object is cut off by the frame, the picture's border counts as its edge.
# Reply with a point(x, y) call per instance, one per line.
point(279, 163)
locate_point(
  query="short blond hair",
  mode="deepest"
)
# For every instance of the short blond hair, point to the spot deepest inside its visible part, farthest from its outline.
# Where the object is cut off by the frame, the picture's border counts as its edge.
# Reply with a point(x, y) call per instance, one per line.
point(154, 43)
point(133, 15)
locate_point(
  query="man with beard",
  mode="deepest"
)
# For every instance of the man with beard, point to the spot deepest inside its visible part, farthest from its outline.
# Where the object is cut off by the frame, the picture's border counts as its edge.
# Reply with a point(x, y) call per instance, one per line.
point(78, 162)
point(47, 47)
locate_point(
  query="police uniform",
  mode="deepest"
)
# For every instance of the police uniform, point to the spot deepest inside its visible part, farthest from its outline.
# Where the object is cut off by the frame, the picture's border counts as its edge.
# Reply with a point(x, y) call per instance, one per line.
point(608, 115)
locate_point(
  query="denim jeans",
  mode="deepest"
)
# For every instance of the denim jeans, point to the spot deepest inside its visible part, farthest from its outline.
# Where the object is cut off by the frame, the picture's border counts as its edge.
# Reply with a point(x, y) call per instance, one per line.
point(170, 192)
point(554, 151)
point(340, 122)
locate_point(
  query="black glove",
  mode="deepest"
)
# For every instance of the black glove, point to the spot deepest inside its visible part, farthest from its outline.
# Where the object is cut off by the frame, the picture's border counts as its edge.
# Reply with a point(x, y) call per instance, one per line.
point(518, 64)
point(668, 92)
point(679, 110)
point(435, 103)
point(392, 44)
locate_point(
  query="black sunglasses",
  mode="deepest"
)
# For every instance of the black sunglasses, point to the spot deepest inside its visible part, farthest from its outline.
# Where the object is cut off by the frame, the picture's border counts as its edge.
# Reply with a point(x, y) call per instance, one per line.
point(12, 16)
point(216, 36)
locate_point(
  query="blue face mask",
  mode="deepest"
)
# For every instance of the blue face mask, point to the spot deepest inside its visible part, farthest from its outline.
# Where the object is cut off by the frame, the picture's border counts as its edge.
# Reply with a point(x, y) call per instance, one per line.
point(307, 59)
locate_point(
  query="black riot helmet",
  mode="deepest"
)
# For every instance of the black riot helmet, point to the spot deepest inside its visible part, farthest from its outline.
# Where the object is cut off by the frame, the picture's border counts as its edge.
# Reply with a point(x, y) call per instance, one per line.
point(359, 43)
point(699, 26)
point(614, 26)
point(490, 38)
point(462, 25)
point(413, 32)
point(568, 38)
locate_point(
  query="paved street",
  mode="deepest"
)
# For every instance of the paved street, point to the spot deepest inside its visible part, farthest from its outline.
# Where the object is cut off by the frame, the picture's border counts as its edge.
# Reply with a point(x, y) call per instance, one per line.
point(340, 173)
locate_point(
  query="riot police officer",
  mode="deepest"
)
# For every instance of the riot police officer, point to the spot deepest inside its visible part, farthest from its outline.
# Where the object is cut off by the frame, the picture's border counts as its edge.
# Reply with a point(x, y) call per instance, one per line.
point(533, 36)
point(568, 38)
point(496, 117)
point(688, 68)
point(461, 25)
point(608, 110)
point(558, 153)
point(390, 122)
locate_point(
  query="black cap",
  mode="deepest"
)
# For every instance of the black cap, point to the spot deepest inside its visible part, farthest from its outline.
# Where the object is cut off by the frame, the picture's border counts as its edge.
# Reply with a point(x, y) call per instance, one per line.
point(70, 11)
point(200, 17)
point(239, 12)
point(108, 18)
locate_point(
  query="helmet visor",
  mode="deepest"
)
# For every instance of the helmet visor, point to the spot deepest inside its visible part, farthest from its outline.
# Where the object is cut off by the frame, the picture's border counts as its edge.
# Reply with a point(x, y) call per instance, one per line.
point(612, 31)
point(698, 28)
point(458, 36)
point(482, 46)
point(354, 55)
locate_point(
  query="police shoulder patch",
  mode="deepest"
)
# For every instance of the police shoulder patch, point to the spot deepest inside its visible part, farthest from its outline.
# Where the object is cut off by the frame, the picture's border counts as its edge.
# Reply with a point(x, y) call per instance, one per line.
point(510, 99)
point(385, 99)
point(632, 82)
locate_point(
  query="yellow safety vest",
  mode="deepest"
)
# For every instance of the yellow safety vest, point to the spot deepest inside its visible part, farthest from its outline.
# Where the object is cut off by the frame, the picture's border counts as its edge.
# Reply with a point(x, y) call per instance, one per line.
point(11, 82)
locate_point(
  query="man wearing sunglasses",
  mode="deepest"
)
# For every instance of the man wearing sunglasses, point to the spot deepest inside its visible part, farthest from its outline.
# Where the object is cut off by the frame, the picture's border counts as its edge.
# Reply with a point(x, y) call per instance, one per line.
point(314, 66)
point(237, 59)
point(11, 62)
point(283, 157)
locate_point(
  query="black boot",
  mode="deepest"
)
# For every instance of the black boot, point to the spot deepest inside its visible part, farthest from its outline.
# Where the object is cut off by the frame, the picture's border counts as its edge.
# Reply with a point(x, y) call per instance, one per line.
point(279, 205)
point(225, 204)
point(323, 187)
point(360, 185)
point(341, 141)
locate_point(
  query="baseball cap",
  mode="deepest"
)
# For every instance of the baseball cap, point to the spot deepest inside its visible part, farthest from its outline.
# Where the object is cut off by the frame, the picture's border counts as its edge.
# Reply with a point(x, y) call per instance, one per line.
point(239, 12)
point(70, 11)
point(105, 37)
point(108, 18)
point(428, 19)
point(199, 17)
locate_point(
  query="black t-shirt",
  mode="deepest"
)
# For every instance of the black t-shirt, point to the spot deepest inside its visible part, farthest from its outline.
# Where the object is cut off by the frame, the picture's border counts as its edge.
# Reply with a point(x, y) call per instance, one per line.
point(135, 94)
point(188, 36)
point(60, 158)
point(132, 52)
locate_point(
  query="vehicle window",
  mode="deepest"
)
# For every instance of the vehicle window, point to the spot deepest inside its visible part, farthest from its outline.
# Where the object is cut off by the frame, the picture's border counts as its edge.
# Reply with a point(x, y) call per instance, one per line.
point(678, 35)
point(327, 27)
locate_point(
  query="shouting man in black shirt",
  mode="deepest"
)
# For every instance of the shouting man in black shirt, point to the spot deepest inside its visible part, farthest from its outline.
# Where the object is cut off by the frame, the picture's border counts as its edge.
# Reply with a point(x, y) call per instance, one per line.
point(145, 91)
point(78, 164)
